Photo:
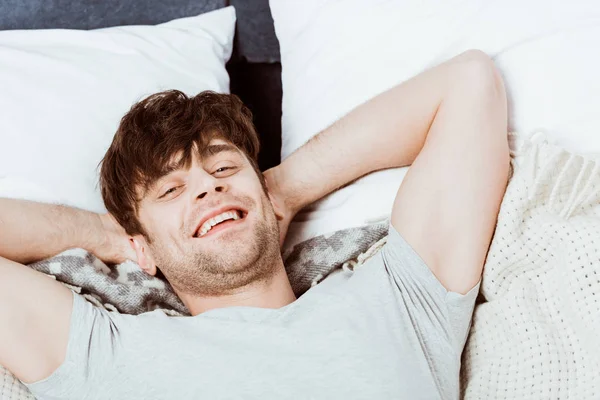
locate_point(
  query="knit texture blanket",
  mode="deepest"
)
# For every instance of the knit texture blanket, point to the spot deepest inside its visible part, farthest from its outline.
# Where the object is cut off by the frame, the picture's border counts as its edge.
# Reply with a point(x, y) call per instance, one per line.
point(535, 336)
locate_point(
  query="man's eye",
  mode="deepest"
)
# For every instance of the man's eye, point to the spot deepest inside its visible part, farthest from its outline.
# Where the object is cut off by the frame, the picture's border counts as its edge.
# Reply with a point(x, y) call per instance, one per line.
point(169, 191)
point(223, 169)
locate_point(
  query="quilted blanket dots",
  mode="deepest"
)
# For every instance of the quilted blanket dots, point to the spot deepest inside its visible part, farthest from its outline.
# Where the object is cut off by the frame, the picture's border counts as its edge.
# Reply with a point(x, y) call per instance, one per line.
point(535, 336)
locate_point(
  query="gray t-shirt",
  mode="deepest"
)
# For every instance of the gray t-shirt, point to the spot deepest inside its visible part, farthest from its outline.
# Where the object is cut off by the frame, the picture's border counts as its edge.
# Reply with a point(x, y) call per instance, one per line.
point(389, 330)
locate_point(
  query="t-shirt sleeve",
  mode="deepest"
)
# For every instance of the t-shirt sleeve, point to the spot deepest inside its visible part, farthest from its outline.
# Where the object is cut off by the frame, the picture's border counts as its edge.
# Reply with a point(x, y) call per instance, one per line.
point(93, 338)
point(436, 313)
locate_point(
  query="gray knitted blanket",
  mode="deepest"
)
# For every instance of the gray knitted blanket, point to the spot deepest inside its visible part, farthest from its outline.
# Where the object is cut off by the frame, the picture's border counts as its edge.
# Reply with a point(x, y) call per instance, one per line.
point(126, 289)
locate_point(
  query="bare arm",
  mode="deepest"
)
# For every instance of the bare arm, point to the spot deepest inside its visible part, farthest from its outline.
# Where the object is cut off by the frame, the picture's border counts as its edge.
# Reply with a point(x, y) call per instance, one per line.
point(31, 231)
point(450, 124)
point(35, 310)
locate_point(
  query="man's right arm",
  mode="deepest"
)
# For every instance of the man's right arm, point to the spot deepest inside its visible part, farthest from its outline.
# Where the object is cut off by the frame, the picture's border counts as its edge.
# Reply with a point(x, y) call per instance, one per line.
point(35, 310)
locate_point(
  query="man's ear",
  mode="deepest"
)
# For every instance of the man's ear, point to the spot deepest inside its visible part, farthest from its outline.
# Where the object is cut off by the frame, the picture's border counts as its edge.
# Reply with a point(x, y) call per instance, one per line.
point(144, 256)
point(279, 212)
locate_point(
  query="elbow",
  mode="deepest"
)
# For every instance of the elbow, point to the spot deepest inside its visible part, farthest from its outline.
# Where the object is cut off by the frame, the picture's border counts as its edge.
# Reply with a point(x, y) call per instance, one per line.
point(476, 84)
point(477, 81)
point(474, 73)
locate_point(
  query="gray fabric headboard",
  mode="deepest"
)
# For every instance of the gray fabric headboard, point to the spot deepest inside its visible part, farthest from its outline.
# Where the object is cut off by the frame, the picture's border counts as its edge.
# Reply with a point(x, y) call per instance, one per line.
point(254, 67)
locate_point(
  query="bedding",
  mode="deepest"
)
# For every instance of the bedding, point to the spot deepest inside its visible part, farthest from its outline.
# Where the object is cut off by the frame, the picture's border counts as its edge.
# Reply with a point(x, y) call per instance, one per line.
point(255, 56)
point(337, 54)
point(535, 336)
point(64, 92)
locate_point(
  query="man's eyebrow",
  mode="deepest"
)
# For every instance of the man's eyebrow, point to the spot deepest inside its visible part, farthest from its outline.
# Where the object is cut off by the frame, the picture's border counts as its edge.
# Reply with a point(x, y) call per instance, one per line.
point(215, 149)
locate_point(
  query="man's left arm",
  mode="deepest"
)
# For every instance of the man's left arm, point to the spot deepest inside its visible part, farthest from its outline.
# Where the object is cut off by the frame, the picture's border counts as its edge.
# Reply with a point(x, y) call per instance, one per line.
point(448, 122)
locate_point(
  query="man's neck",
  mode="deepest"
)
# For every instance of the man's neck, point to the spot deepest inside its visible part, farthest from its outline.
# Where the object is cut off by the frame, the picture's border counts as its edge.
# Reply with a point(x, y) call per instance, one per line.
point(274, 293)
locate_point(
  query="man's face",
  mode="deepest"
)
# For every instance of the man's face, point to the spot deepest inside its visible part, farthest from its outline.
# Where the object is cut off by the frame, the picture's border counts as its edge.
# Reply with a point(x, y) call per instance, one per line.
point(211, 228)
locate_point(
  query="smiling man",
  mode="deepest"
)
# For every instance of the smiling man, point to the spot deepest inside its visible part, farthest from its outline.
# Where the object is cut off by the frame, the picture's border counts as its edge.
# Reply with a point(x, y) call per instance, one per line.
point(189, 192)
point(186, 197)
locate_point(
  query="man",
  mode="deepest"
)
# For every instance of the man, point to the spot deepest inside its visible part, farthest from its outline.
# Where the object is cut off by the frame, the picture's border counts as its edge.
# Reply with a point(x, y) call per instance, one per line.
point(181, 180)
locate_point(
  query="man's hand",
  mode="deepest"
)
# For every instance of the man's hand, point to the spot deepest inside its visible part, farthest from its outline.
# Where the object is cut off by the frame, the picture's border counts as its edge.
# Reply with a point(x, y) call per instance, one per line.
point(115, 247)
point(285, 209)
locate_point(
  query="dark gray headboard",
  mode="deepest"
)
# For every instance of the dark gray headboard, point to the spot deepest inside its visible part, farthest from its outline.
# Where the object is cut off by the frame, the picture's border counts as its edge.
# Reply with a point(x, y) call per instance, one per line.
point(90, 14)
point(254, 67)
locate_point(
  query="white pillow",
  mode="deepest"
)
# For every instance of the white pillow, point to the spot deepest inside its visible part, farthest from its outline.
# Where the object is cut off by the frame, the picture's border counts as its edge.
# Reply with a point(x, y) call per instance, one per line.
point(336, 54)
point(63, 93)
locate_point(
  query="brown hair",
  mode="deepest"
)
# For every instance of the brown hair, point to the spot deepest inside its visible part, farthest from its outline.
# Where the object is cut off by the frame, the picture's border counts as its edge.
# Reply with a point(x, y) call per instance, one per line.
point(159, 128)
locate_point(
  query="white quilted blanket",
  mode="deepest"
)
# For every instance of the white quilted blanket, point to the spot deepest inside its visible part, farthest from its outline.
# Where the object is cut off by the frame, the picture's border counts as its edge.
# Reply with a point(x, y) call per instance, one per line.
point(536, 334)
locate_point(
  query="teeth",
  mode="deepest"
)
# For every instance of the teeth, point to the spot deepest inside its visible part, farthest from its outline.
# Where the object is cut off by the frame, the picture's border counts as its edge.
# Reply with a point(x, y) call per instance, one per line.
point(217, 219)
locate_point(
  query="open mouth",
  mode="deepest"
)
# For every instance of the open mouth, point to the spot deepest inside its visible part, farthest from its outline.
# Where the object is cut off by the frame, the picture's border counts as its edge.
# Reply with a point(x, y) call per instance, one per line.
point(220, 222)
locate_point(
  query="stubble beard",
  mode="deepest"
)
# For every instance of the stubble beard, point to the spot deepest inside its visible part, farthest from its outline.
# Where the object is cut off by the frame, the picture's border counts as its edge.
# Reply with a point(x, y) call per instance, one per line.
point(233, 265)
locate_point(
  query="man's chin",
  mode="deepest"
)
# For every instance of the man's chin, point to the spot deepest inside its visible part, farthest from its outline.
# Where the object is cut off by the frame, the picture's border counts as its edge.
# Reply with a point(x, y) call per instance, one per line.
point(230, 253)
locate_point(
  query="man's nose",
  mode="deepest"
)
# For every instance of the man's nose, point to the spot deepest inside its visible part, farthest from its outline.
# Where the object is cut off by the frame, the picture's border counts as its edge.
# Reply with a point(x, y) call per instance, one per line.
point(213, 185)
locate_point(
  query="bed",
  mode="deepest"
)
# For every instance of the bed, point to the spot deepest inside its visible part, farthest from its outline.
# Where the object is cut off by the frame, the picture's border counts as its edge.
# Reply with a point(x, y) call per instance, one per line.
point(299, 66)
